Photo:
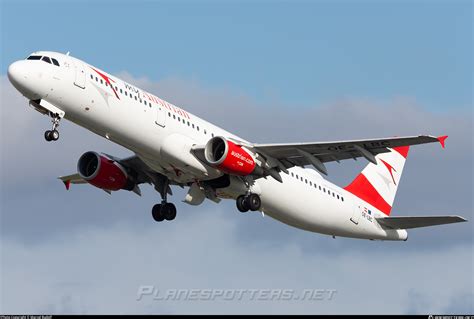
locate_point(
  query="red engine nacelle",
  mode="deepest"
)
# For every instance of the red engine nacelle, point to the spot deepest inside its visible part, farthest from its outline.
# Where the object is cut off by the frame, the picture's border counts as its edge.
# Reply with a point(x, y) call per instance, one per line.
point(228, 157)
point(103, 172)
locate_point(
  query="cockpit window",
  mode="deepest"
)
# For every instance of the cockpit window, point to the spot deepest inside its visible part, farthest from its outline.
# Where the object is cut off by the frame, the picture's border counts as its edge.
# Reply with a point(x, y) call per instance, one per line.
point(55, 62)
point(34, 57)
point(46, 59)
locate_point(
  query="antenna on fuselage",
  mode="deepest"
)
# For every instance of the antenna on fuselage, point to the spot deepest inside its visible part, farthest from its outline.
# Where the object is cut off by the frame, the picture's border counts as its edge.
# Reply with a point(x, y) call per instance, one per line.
point(67, 53)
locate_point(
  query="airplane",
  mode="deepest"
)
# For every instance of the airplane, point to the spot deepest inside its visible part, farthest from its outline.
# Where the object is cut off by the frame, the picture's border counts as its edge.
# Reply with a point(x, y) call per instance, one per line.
point(173, 147)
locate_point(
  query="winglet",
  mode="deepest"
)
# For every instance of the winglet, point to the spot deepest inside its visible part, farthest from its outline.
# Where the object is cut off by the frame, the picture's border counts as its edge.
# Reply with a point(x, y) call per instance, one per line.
point(442, 140)
point(67, 183)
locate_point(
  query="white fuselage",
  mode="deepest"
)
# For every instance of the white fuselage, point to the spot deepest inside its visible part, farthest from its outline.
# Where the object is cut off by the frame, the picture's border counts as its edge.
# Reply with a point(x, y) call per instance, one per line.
point(162, 135)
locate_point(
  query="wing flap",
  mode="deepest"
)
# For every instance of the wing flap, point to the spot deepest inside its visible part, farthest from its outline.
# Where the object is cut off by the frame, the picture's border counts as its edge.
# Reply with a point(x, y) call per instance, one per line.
point(406, 222)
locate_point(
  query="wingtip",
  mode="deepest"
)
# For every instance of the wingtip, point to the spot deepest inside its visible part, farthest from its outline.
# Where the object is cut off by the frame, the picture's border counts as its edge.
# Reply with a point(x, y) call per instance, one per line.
point(442, 140)
point(67, 184)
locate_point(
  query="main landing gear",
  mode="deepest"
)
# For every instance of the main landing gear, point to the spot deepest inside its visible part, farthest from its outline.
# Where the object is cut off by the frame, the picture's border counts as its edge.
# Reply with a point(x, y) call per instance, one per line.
point(165, 210)
point(248, 202)
point(53, 134)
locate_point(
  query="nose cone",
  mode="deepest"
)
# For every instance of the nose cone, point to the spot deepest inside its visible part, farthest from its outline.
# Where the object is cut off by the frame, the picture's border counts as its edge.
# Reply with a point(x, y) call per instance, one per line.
point(19, 76)
point(16, 73)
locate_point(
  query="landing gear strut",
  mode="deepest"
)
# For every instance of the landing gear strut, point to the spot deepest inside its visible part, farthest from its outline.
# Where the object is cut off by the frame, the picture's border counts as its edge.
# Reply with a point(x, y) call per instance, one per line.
point(164, 210)
point(53, 134)
point(248, 202)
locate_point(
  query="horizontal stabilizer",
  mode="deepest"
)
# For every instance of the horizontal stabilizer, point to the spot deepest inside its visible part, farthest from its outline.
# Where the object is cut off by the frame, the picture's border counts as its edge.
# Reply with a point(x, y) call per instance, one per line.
point(72, 179)
point(406, 222)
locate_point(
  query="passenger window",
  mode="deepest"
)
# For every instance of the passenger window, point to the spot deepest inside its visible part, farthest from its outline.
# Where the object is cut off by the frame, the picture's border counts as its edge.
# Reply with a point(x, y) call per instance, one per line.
point(125, 93)
point(101, 82)
point(34, 57)
point(193, 125)
point(135, 97)
point(342, 198)
point(197, 128)
point(121, 91)
point(189, 123)
point(179, 119)
point(169, 114)
point(337, 196)
point(174, 116)
point(306, 181)
point(92, 77)
point(46, 59)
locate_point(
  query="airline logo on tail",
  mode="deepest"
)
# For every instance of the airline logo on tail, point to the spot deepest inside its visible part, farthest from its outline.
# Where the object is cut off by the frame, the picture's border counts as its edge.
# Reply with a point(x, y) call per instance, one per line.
point(390, 169)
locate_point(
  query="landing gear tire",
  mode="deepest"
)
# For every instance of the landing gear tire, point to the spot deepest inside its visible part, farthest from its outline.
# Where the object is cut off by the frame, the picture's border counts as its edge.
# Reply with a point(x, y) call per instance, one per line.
point(254, 202)
point(169, 211)
point(248, 202)
point(51, 135)
point(54, 135)
point(242, 204)
point(156, 213)
point(47, 136)
point(163, 211)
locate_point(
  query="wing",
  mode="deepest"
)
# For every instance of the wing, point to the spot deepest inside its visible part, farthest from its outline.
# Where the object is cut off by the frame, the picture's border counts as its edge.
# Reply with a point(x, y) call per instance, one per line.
point(405, 222)
point(316, 154)
point(142, 173)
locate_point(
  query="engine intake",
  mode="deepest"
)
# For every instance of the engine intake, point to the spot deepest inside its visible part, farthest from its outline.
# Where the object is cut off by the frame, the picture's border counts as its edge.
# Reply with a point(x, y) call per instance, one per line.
point(103, 172)
point(228, 157)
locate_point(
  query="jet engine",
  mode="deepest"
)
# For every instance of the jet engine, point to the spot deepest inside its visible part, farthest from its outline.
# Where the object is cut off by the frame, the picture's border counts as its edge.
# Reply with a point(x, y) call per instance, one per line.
point(229, 157)
point(103, 172)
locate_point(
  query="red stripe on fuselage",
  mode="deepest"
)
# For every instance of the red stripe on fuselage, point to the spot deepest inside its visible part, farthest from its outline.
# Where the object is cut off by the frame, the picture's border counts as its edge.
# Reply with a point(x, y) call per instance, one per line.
point(362, 188)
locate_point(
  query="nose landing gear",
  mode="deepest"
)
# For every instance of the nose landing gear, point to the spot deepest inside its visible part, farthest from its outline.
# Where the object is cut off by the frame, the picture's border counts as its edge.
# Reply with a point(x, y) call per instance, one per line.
point(53, 134)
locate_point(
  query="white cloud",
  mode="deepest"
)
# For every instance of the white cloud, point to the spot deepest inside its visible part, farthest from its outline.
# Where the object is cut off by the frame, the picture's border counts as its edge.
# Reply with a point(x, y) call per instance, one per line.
point(99, 270)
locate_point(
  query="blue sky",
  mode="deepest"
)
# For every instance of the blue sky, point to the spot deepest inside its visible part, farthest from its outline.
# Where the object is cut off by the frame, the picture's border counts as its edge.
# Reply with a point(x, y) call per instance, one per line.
point(269, 71)
point(297, 52)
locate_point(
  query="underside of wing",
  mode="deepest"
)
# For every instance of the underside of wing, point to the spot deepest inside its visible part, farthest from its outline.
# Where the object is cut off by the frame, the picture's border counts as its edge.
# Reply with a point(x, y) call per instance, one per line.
point(406, 222)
